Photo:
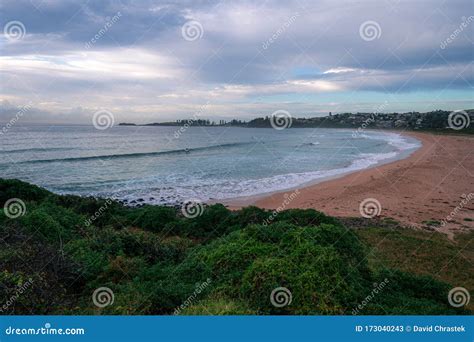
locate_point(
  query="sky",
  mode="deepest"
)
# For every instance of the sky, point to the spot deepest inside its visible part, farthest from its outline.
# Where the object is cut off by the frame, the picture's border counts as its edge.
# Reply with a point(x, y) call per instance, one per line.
point(150, 61)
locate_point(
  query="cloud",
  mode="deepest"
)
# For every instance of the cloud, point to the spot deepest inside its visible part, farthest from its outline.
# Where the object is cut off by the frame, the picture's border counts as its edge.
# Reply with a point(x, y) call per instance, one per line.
point(130, 57)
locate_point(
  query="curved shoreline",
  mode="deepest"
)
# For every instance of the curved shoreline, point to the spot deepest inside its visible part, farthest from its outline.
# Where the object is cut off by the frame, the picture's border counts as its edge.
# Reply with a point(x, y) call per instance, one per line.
point(426, 186)
point(236, 203)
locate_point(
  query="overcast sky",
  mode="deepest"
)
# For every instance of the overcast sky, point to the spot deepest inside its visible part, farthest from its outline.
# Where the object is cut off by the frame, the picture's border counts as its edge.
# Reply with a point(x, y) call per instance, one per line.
point(164, 60)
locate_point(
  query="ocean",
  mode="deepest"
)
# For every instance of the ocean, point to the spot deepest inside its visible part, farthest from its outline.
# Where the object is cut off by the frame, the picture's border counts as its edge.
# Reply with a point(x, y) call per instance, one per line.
point(168, 165)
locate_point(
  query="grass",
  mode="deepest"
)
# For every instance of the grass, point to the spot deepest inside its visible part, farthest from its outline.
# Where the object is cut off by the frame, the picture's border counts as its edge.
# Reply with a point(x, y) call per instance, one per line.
point(423, 253)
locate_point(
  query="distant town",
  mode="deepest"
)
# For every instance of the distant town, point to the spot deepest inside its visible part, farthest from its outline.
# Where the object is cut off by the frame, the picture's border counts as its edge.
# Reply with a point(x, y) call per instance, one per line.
point(435, 120)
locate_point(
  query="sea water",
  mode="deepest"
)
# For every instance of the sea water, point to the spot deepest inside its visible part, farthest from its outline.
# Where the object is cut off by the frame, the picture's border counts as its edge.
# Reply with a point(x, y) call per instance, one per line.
point(168, 165)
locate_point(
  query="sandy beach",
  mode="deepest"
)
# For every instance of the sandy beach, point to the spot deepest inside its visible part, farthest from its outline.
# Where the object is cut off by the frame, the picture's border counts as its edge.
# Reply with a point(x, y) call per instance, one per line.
point(427, 187)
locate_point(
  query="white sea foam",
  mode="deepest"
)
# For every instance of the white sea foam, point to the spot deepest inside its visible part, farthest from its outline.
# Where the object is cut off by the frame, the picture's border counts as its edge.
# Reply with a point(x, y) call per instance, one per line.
point(394, 139)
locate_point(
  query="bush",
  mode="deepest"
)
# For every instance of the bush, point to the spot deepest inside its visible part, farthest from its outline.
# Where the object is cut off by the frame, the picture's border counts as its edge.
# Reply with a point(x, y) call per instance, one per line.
point(154, 259)
point(13, 188)
point(152, 218)
point(305, 217)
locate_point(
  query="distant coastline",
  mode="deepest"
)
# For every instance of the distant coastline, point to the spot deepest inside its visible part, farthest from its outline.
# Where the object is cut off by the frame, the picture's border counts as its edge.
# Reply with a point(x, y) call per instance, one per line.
point(449, 121)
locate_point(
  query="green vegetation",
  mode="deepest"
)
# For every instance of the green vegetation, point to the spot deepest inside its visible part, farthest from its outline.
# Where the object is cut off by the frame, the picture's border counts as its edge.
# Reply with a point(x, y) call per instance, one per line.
point(422, 252)
point(156, 261)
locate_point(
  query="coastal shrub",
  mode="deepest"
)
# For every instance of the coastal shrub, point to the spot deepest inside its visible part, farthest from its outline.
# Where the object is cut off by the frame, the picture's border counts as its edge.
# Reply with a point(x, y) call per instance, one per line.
point(317, 284)
point(249, 263)
point(18, 293)
point(14, 188)
point(45, 274)
point(89, 260)
point(155, 259)
point(315, 264)
point(99, 212)
point(406, 293)
point(42, 225)
point(305, 217)
point(319, 277)
point(344, 240)
point(214, 221)
point(167, 286)
point(151, 247)
point(225, 259)
point(250, 215)
point(123, 267)
point(152, 217)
